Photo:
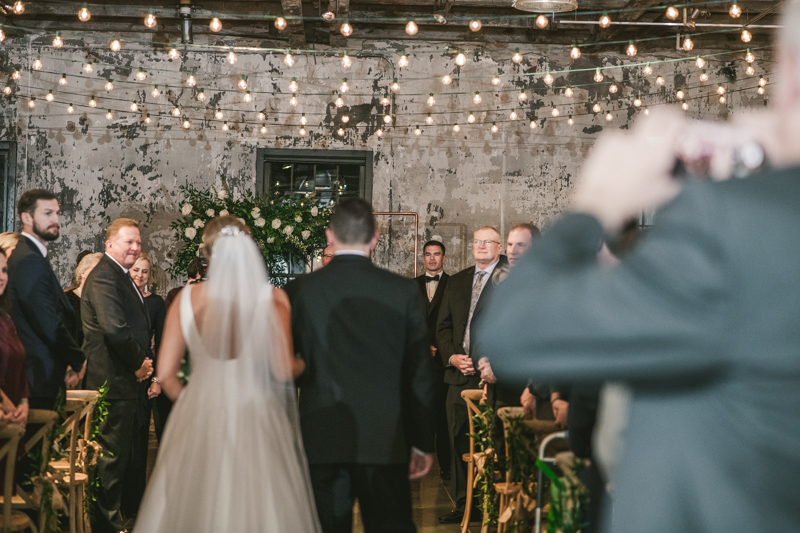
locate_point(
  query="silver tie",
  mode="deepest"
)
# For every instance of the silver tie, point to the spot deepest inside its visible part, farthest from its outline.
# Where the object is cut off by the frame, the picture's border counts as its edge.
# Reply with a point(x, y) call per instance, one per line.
point(476, 294)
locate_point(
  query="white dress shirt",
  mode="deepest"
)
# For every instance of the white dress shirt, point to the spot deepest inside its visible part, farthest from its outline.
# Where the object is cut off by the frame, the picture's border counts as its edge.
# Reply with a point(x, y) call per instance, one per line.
point(431, 286)
point(42, 248)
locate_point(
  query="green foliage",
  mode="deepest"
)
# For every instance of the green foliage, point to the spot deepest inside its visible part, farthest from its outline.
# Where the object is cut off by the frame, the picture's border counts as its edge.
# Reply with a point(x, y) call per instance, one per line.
point(568, 502)
point(300, 225)
point(484, 422)
point(93, 486)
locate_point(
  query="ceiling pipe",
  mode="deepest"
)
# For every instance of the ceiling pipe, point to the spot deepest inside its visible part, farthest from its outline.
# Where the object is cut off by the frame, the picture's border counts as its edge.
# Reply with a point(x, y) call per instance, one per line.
point(672, 24)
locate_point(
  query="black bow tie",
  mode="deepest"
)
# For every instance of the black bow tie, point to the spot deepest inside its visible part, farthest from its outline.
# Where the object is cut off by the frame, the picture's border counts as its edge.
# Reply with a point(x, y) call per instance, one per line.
point(428, 279)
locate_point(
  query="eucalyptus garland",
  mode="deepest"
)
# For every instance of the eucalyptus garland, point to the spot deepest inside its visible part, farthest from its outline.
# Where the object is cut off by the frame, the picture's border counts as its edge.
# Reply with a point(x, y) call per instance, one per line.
point(486, 494)
point(285, 229)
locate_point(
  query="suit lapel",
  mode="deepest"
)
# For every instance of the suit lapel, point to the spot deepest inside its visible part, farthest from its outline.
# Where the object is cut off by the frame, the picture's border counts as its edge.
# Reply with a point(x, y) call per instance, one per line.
point(439, 291)
point(128, 282)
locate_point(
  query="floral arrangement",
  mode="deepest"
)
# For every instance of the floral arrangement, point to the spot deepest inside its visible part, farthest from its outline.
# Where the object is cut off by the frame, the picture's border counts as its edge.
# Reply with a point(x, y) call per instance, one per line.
point(284, 228)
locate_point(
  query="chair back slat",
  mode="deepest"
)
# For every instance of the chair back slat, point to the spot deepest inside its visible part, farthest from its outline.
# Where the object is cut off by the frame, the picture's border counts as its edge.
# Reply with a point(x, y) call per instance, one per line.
point(8, 453)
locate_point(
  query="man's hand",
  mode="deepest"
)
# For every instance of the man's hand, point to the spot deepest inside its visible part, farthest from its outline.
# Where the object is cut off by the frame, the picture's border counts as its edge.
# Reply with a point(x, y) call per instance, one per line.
point(463, 362)
point(71, 379)
point(154, 390)
point(146, 370)
point(528, 402)
point(433, 351)
point(560, 412)
point(419, 465)
point(486, 370)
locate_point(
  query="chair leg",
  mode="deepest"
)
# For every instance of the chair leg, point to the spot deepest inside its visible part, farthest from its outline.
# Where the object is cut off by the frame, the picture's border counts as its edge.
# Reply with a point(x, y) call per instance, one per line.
point(80, 517)
point(468, 506)
point(72, 510)
point(485, 523)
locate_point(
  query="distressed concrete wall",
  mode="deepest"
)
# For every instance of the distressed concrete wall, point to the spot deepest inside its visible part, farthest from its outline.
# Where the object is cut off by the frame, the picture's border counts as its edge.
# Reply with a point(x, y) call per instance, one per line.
point(455, 181)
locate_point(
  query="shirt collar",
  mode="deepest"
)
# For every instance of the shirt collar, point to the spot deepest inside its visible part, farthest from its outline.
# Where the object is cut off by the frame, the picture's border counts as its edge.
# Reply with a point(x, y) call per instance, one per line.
point(42, 248)
point(122, 267)
point(438, 272)
point(350, 252)
point(488, 269)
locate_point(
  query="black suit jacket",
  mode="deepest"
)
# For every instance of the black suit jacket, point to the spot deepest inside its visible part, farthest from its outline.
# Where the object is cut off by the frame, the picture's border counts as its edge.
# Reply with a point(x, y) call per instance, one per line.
point(367, 393)
point(44, 320)
point(432, 306)
point(116, 330)
point(453, 315)
point(701, 319)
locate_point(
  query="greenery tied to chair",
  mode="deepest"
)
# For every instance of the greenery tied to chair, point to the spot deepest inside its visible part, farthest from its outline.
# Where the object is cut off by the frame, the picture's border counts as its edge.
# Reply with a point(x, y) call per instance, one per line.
point(94, 451)
point(486, 478)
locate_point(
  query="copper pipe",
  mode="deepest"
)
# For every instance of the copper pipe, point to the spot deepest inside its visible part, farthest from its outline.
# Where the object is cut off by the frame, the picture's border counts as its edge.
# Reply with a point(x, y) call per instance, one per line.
point(416, 230)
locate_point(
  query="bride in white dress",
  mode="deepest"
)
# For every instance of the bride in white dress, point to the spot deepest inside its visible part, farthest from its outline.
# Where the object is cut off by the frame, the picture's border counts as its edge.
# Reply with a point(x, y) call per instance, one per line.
point(231, 458)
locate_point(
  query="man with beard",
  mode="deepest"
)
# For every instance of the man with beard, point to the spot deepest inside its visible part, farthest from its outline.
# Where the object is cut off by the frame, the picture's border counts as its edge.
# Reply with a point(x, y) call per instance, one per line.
point(41, 312)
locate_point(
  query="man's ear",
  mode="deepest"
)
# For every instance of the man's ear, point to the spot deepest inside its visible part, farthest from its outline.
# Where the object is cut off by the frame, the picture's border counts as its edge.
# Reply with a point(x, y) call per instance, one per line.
point(374, 242)
point(329, 236)
point(26, 219)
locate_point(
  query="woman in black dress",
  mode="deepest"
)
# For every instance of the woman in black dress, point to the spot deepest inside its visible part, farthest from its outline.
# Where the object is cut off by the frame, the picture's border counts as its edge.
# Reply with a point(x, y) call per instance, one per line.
point(85, 265)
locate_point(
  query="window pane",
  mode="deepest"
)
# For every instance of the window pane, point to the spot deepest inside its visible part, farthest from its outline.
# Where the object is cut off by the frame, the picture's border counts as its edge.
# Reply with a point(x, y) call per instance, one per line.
point(280, 177)
point(349, 180)
point(303, 178)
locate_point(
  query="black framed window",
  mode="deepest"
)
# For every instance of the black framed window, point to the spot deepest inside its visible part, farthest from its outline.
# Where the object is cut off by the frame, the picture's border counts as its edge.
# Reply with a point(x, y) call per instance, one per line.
point(8, 179)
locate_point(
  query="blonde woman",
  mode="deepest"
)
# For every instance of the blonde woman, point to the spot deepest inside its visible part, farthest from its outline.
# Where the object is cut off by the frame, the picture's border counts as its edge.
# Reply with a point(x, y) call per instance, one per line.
point(85, 266)
point(8, 241)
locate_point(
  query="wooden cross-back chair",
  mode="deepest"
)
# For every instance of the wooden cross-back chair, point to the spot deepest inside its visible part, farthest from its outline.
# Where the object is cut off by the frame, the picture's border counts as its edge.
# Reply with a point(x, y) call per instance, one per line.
point(472, 397)
point(12, 520)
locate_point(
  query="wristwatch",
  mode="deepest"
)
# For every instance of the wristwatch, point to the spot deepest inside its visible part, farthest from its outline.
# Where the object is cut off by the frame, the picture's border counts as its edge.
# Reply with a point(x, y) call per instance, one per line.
point(154, 379)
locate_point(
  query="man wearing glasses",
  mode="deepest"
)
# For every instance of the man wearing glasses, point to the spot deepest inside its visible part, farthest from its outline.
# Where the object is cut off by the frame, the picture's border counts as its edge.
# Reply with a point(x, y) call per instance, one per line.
point(465, 294)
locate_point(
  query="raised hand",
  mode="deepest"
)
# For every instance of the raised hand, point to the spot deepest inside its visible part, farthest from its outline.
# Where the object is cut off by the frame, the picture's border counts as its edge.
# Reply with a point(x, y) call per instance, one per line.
point(146, 370)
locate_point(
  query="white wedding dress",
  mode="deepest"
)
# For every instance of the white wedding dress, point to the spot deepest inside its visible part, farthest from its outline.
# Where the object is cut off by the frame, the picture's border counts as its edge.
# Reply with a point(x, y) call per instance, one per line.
point(232, 458)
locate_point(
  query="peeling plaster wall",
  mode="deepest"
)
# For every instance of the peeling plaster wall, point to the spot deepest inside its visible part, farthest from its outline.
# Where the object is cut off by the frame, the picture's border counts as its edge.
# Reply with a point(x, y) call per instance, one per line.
point(455, 181)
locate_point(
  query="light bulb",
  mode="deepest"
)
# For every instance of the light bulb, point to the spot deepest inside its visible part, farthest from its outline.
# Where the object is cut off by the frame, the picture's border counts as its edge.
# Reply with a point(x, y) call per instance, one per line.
point(134, 107)
point(218, 114)
point(609, 117)
point(395, 86)
point(141, 75)
point(495, 129)
point(517, 57)
point(63, 80)
point(7, 90)
point(346, 29)
point(225, 126)
point(37, 64)
point(646, 111)
point(477, 98)
point(570, 121)
point(288, 59)
point(109, 115)
point(700, 62)
point(147, 119)
point(605, 21)
point(262, 115)
point(345, 118)
point(631, 49)
point(575, 52)
point(248, 97)
point(385, 100)
point(58, 42)
point(173, 53)
point(115, 45)
point(596, 107)
point(201, 95)
point(720, 89)
point(403, 61)
point(303, 120)
point(387, 119)
point(555, 112)
point(84, 15)
point(598, 76)
point(750, 70)
point(548, 79)
point(471, 118)
point(612, 88)
point(761, 90)
point(232, 57)
point(513, 115)
point(379, 133)
point(685, 106)
point(456, 128)
point(688, 44)
point(186, 124)
point(176, 111)
point(19, 8)
point(412, 28)
point(339, 102)
point(417, 131)
point(329, 15)
point(749, 56)
point(243, 83)
point(109, 86)
point(533, 124)
point(293, 86)
point(92, 102)
point(49, 96)
point(346, 61)
point(87, 68)
point(475, 25)
point(191, 81)
point(672, 13)
point(302, 132)
point(16, 75)
point(150, 20)
point(542, 22)
point(679, 94)
point(2, 36)
point(215, 25)
point(431, 100)
point(746, 36)
point(568, 92)
point(154, 93)
point(637, 102)
point(647, 70)
point(429, 119)
point(762, 82)
point(722, 99)
point(293, 100)
point(263, 130)
point(703, 76)
point(660, 80)
point(522, 96)
point(461, 59)
point(496, 80)
point(344, 87)
point(446, 79)
point(280, 23)
point(735, 11)
point(340, 132)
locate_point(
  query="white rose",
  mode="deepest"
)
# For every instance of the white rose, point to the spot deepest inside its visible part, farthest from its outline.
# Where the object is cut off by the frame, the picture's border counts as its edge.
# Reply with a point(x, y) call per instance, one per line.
point(306, 234)
point(270, 240)
point(186, 209)
point(314, 211)
point(276, 224)
point(210, 212)
point(222, 194)
point(298, 218)
point(190, 233)
point(260, 222)
point(288, 230)
point(223, 213)
point(198, 223)
point(256, 212)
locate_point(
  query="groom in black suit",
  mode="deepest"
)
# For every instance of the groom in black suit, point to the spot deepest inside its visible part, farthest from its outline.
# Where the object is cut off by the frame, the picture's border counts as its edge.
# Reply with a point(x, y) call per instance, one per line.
point(41, 313)
point(116, 330)
point(431, 285)
point(366, 397)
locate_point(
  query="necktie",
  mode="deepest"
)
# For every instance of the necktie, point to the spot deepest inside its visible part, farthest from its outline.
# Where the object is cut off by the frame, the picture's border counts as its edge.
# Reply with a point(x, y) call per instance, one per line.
point(428, 279)
point(476, 294)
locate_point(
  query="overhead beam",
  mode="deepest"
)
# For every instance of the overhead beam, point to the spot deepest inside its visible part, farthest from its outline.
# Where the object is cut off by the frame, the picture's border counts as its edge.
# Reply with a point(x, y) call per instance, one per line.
point(295, 28)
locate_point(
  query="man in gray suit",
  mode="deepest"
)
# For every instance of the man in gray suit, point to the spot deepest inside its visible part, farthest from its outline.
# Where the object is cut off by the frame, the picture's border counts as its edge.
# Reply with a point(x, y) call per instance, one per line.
point(701, 320)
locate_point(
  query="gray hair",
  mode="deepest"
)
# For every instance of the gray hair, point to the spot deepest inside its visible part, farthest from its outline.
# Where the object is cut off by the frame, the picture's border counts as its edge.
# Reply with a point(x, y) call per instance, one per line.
point(88, 262)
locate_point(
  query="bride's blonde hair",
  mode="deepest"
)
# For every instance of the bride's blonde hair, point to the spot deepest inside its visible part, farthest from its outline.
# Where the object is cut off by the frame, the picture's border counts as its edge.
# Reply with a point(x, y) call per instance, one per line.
point(215, 225)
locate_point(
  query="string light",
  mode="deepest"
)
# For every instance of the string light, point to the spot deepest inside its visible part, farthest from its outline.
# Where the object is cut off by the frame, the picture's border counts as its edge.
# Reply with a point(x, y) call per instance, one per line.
point(58, 42)
point(225, 126)
point(215, 25)
point(387, 119)
point(456, 128)
point(134, 107)
point(412, 28)
point(293, 86)
point(147, 118)
point(340, 132)
point(186, 124)
point(761, 91)
point(522, 96)
point(477, 98)
point(302, 132)
point(339, 102)
point(598, 76)
point(750, 70)
point(49, 96)
point(548, 79)
point(345, 118)
point(446, 79)
point(173, 53)
point(263, 130)
point(7, 90)
point(242, 84)
point(631, 49)
point(609, 117)
point(293, 100)
point(746, 36)
point(417, 131)
point(496, 80)
point(344, 87)
point(403, 61)
point(346, 61)
point(288, 59)
point(109, 115)
point(141, 75)
point(646, 111)
point(379, 133)
point(37, 64)
point(475, 25)
point(471, 118)
point(461, 59)
point(92, 102)
point(109, 86)
point(762, 82)
point(688, 44)
point(429, 119)
point(191, 81)
point(280, 23)
point(248, 97)
point(542, 22)
point(19, 8)
point(720, 89)
point(303, 120)
point(722, 99)
point(596, 107)
point(83, 14)
point(517, 57)
point(605, 21)
point(513, 115)
point(218, 114)
point(346, 29)
point(749, 57)
point(494, 128)
point(262, 115)
point(395, 86)
point(568, 92)
point(672, 13)
point(735, 11)
point(554, 111)
point(63, 80)
point(570, 121)
point(87, 68)
point(16, 75)
point(201, 95)
point(612, 88)
point(150, 19)
point(575, 52)
point(685, 106)
point(232, 57)
point(176, 111)
point(679, 94)
point(660, 80)
point(647, 69)
point(703, 76)
point(2, 36)
point(637, 102)
point(701, 63)
point(431, 100)
point(385, 100)
point(115, 45)
point(533, 124)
